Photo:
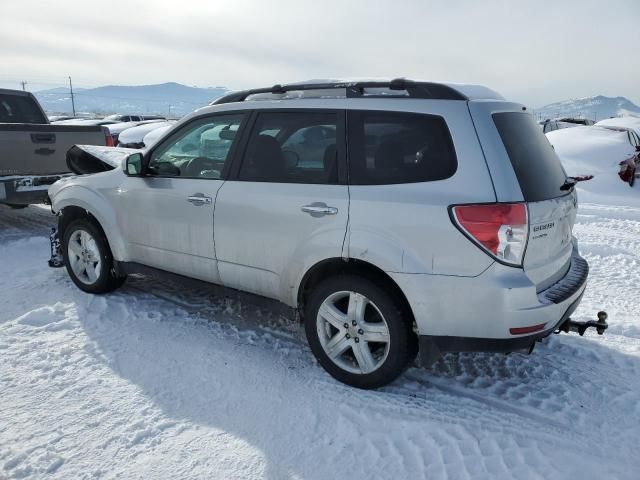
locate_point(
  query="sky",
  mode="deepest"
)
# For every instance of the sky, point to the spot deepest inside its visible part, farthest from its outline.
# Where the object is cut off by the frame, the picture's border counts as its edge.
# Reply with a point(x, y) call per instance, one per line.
point(534, 52)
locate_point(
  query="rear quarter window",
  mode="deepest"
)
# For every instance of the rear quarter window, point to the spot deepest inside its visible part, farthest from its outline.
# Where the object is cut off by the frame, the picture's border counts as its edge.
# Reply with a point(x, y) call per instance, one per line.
point(534, 161)
point(396, 147)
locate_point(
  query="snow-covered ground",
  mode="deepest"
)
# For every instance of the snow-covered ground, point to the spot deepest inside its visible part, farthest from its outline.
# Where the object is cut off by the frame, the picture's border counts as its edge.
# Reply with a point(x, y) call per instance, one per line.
point(161, 380)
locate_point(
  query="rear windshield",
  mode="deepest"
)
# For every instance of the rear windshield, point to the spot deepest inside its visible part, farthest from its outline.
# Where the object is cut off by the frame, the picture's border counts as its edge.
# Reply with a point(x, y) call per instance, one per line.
point(19, 109)
point(534, 161)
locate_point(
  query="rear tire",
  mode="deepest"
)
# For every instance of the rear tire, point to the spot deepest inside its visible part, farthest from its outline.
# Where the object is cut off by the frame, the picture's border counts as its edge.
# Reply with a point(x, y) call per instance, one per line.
point(360, 334)
point(632, 180)
point(88, 258)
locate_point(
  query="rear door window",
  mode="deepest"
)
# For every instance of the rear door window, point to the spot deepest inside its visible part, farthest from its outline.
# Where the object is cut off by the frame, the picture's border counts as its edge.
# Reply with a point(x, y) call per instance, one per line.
point(398, 147)
point(292, 147)
point(534, 161)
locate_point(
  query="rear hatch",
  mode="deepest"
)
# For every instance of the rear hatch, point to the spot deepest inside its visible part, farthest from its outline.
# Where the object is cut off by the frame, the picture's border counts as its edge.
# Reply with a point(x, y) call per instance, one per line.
point(518, 142)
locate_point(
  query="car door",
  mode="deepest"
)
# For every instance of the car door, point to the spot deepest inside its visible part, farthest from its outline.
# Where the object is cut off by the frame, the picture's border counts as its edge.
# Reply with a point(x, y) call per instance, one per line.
point(285, 205)
point(167, 215)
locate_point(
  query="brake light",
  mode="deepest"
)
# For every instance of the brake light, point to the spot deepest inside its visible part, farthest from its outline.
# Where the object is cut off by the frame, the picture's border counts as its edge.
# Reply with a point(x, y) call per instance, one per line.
point(108, 140)
point(501, 229)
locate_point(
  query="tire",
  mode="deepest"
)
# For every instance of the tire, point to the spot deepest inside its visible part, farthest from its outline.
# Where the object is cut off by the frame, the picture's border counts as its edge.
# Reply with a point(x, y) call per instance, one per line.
point(379, 317)
point(632, 180)
point(89, 261)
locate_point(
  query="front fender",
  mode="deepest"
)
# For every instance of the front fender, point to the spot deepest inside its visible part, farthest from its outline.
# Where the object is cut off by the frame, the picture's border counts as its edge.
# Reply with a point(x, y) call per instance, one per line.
point(74, 195)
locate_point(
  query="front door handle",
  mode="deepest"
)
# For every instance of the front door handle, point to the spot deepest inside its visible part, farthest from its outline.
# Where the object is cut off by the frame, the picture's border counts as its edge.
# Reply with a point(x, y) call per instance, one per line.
point(199, 199)
point(319, 209)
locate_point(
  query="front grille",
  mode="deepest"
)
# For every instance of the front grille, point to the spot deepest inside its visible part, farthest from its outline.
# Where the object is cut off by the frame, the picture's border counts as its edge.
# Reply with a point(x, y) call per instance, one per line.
point(570, 284)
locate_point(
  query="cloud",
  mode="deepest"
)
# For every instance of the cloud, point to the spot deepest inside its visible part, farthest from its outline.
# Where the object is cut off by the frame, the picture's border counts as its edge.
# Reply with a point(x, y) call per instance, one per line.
point(534, 52)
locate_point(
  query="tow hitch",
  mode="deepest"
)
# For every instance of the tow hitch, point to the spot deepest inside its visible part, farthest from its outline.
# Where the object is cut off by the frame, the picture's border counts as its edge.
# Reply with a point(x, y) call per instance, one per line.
point(56, 260)
point(580, 327)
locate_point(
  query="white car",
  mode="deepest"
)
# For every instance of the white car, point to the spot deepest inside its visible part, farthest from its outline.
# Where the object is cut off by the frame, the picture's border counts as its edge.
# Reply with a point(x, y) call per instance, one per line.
point(395, 216)
point(134, 137)
point(604, 151)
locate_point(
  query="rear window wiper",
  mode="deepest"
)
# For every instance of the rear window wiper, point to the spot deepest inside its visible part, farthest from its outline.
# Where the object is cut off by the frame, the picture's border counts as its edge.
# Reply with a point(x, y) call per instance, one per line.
point(570, 182)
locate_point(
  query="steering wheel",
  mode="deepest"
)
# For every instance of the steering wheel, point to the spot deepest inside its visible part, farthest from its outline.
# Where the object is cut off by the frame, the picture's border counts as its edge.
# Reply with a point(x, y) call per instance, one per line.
point(198, 165)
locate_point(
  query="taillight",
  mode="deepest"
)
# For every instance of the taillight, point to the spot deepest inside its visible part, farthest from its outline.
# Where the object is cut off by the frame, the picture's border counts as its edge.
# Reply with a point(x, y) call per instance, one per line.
point(108, 140)
point(501, 229)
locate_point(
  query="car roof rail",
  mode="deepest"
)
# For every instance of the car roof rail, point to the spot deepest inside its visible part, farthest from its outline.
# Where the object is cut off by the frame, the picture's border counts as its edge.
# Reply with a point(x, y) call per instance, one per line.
point(413, 89)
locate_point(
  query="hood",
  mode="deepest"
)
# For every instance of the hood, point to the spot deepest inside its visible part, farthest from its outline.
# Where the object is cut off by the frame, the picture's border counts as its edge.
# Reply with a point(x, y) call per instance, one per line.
point(84, 159)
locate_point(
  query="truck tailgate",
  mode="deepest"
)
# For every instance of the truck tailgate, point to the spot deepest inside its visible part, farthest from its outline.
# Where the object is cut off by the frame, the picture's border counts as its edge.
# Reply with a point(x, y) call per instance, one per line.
point(40, 149)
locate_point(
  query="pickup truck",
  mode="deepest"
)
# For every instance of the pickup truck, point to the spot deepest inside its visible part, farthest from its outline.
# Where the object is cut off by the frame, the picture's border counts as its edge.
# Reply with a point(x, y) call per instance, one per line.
point(32, 151)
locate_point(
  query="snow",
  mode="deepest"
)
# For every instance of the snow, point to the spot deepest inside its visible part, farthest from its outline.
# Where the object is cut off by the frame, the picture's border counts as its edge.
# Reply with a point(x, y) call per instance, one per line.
point(631, 122)
point(592, 150)
point(161, 380)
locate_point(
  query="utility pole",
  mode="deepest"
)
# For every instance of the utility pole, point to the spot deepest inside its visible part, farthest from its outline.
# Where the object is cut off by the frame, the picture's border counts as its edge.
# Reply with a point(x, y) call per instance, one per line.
point(73, 103)
point(23, 83)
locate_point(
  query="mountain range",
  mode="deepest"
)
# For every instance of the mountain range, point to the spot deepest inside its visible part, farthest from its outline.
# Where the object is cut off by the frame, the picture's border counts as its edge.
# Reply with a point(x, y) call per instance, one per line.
point(176, 100)
point(596, 108)
point(171, 99)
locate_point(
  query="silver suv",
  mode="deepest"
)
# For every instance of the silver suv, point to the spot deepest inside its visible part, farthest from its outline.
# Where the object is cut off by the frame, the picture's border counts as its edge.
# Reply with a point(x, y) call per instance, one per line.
point(397, 217)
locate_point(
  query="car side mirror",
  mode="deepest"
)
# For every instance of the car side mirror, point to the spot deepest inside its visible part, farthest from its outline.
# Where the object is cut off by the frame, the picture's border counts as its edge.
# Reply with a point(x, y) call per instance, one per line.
point(133, 165)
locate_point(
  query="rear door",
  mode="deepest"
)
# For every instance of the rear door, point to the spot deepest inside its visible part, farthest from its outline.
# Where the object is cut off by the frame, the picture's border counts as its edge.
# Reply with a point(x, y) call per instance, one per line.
point(286, 205)
point(524, 167)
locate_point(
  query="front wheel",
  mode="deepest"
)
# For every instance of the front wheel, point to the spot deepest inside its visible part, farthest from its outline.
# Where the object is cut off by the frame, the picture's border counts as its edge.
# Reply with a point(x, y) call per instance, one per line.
point(88, 258)
point(358, 332)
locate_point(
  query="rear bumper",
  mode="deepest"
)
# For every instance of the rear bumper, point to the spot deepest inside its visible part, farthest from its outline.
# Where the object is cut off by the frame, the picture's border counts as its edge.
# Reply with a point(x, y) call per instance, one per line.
point(26, 190)
point(432, 346)
point(485, 313)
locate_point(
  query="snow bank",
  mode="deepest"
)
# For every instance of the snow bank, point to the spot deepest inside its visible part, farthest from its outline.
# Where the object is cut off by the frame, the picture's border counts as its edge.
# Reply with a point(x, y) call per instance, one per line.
point(597, 151)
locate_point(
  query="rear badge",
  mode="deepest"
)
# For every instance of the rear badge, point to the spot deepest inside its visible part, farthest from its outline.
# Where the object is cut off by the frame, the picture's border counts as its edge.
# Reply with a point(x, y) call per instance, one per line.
point(540, 230)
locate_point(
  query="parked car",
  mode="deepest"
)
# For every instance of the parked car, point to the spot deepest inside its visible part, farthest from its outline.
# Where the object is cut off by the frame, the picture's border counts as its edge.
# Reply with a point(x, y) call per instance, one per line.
point(119, 118)
point(557, 124)
point(84, 121)
point(437, 219)
point(605, 149)
point(115, 129)
point(33, 151)
point(153, 136)
point(628, 122)
point(134, 137)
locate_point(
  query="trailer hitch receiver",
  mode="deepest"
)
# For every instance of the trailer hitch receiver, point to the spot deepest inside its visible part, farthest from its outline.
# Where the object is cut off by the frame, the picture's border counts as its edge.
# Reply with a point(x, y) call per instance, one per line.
point(580, 327)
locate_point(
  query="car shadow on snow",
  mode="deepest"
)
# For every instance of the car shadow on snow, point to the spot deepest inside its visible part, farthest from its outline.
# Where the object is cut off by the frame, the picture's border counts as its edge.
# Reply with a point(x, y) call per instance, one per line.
point(243, 368)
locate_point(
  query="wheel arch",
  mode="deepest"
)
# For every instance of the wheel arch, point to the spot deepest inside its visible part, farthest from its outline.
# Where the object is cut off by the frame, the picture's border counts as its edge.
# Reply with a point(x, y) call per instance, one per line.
point(70, 212)
point(341, 266)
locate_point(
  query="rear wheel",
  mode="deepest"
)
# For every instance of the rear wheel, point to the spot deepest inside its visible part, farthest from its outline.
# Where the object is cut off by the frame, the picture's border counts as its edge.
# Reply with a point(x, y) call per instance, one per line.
point(88, 258)
point(632, 180)
point(358, 332)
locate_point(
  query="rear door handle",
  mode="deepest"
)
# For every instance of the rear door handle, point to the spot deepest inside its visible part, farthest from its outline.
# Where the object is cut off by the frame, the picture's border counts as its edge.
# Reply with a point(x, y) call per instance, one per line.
point(43, 138)
point(199, 199)
point(319, 209)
